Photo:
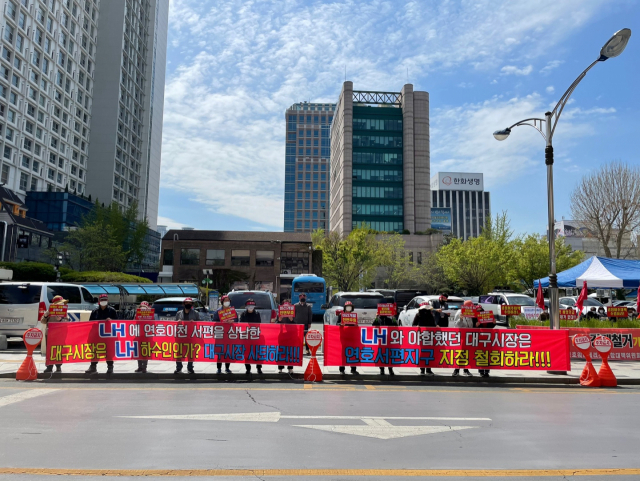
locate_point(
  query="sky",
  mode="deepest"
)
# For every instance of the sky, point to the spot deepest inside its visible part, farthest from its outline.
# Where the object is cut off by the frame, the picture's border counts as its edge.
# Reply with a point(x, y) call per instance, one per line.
point(234, 67)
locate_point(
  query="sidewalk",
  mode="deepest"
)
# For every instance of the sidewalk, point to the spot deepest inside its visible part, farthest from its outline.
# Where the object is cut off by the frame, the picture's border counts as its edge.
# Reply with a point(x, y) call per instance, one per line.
point(627, 373)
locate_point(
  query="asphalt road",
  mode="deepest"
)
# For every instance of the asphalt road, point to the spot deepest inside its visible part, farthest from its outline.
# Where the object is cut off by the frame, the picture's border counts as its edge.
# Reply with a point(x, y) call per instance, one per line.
point(284, 432)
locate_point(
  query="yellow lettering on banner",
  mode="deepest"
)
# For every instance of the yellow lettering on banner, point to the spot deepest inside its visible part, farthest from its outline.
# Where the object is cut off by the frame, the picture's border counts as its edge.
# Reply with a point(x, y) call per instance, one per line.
point(447, 357)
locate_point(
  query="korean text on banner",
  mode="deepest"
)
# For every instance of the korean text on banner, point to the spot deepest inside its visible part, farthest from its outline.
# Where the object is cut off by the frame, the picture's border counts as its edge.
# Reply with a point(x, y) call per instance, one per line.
point(536, 349)
point(568, 315)
point(175, 341)
point(349, 318)
point(486, 318)
point(510, 310)
point(227, 315)
point(626, 343)
point(387, 309)
point(467, 312)
point(531, 313)
point(145, 314)
point(617, 312)
point(287, 310)
point(58, 310)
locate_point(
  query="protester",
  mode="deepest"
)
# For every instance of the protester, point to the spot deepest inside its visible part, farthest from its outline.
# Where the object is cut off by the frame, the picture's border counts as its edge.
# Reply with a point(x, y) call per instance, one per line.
point(544, 315)
point(592, 314)
point(188, 313)
point(424, 318)
point(464, 323)
point(602, 314)
point(348, 308)
point(491, 325)
point(104, 312)
point(226, 303)
point(385, 321)
point(285, 320)
point(251, 315)
point(46, 319)
point(304, 315)
point(439, 306)
point(142, 364)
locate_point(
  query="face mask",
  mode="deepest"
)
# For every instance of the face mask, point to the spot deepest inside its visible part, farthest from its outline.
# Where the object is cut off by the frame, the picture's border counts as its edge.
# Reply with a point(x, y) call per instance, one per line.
point(104, 303)
point(302, 301)
point(348, 308)
point(250, 308)
point(188, 306)
point(226, 304)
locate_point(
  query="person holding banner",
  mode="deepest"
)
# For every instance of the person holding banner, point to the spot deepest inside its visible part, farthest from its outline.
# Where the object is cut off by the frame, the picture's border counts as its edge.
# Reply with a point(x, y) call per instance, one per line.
point(348, 309)
point(58, 304)
point(385, 321)
point(144, 313)
point(230, 315)
point(103, 313)
point(252, 316)
point(304, 315)
point(188, 313)
point(424, 318)
point(463, 323)
point(286, 320)
point(439, 306)
point(483, 324)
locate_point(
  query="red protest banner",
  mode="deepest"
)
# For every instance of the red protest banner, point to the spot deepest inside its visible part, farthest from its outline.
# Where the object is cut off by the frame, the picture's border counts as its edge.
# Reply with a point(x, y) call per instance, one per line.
point(387, 309)
point(58, 310)
point(467, 312)
point(617, 312)
point(143, 314)
point(349, 318)
point(227, 315)
point(287, 310)
point(175, 341)
point(510, 310)
point(447, 348)
point(486, 318)
point(568, 315)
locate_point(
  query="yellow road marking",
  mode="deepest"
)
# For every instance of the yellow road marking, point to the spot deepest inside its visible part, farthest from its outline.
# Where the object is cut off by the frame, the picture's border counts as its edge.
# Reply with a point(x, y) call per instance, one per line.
point(308, 386)
point(371, 388)
point(485, 473)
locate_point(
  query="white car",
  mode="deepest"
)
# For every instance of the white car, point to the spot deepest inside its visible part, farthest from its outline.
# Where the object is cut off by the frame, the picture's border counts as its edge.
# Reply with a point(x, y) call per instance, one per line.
point(493, 301)
point(570, 302)
point(365, 304)
point(409, 311)
point(22, 304)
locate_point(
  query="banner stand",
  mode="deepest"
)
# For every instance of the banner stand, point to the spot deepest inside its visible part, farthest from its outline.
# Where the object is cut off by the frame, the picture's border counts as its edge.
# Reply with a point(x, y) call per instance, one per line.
point(313, 373)
point(28, 370)
point(589, 376)
point(604, 346)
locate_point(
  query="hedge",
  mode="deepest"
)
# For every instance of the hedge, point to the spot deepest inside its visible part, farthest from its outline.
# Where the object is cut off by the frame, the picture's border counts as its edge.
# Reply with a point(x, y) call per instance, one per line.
point(30, 271)
point(97, 276)
point(588, 323)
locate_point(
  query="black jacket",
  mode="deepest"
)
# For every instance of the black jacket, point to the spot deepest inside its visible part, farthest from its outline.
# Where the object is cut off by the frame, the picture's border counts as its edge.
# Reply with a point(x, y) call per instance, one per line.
point(100, 314)
point(424, 318)
point(247, 316)
point(441, 318)
point(385, 321)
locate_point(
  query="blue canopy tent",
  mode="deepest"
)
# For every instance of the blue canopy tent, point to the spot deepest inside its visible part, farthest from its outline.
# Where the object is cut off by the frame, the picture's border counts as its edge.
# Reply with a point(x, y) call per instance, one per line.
point(600, 273)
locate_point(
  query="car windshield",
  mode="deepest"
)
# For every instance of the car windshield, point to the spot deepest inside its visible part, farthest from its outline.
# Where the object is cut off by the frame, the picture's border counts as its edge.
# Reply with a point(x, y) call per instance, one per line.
point(22, 294)
point(315, 287)
point(568, 301)
point(592, 303)
point(167, 308)
point(521, 301)
point(361, 302)
point(262, 299)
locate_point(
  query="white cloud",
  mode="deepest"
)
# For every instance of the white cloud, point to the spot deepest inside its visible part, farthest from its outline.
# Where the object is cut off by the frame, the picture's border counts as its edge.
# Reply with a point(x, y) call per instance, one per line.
point(237, 65)
point(170, 223)
point(513, 70)
point(550, 66)
point(550, 89)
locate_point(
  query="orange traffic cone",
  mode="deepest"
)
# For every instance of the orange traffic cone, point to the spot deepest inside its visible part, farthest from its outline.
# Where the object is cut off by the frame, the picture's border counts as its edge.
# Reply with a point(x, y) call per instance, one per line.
point(313, 372)
point(589, 376)
point(607, 378)
point(27, 370)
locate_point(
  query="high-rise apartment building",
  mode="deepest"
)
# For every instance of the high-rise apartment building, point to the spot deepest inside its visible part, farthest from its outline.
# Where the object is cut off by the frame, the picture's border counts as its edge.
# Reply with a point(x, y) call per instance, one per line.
point(306, 188)
point(380, 161)
point(460, 202)
point(47, 69)
point(126, 134)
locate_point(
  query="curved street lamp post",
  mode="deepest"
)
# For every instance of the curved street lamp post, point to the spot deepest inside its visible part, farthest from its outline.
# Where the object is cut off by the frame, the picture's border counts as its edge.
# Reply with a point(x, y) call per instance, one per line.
point(547, 127)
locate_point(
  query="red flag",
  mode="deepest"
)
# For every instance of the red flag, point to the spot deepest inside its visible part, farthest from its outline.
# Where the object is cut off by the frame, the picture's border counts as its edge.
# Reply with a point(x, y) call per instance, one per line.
point(582, 297)
point(540, 297)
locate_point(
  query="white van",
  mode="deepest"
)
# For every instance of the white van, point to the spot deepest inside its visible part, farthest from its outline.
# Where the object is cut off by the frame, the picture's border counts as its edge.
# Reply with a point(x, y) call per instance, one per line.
point(22, 304)
point(365, 304)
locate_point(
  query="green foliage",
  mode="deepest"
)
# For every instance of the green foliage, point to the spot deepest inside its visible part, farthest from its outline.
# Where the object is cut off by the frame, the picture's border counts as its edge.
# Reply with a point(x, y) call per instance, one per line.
point(398, 268)
point(31, 271)
point(349, 262)
point(223, 279)
point(108, 240)
point(101, 276)
point(590, 323)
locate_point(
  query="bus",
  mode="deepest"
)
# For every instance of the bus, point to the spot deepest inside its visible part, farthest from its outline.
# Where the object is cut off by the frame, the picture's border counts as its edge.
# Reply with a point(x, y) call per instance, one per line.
point(314, 287)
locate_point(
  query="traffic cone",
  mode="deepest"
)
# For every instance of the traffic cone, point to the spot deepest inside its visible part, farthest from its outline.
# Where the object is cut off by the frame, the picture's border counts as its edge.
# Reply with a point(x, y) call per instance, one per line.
point(607, 378)
point(313, 372)
point(589, 376)
point(27, 370)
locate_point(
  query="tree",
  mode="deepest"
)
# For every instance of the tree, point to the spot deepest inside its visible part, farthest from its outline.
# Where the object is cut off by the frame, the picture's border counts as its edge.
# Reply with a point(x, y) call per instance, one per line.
point(432, 278)
point(93, 248)
point(607, 202)
point(348, 262)
point(397, 266)
point(531, 261)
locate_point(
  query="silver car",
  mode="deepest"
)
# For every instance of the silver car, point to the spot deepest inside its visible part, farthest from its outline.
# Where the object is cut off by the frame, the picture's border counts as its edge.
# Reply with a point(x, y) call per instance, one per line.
point(265, 304)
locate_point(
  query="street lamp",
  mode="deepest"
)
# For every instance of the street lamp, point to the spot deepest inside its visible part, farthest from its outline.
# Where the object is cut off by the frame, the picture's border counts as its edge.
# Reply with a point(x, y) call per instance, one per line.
point(614, 47)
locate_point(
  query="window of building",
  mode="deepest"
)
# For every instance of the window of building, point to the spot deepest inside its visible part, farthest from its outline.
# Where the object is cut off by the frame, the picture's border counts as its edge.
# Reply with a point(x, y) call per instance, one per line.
point(24, 181)
point(5, 174)
point(295, 262)
point(167, 257)
point(189, 257)
point(264, 258)
point(240, 258)
point(215, 257)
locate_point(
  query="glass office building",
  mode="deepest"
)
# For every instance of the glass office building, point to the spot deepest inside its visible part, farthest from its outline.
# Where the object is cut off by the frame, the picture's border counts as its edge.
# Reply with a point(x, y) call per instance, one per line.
point(306, 188)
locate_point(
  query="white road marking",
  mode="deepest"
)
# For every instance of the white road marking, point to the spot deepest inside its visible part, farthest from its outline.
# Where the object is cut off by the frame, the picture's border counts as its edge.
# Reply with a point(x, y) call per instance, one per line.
point(24, 395)
point(385, 432)
point(411, 418)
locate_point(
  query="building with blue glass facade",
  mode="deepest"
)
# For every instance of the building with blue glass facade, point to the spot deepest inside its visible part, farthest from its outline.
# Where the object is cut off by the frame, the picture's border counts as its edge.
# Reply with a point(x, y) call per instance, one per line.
point(380, 161)
point(306, 188)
